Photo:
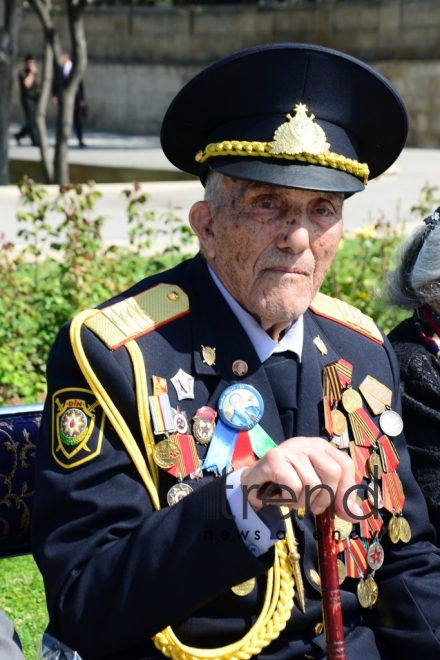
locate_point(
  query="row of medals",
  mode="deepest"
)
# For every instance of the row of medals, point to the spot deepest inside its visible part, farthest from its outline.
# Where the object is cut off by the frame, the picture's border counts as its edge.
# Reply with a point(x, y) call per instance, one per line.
point(341, 403)
point(344, 415)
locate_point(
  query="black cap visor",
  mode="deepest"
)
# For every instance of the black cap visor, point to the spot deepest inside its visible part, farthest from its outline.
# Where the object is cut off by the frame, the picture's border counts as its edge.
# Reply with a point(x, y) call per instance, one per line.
point(284, 173)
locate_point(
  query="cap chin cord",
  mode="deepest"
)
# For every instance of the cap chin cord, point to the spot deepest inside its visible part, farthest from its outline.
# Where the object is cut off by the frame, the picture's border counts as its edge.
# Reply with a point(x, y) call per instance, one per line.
point(265, 150)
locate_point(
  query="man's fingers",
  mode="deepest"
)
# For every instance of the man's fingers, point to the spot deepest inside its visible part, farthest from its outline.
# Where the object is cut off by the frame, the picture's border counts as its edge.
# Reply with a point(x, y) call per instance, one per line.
point(304, 472)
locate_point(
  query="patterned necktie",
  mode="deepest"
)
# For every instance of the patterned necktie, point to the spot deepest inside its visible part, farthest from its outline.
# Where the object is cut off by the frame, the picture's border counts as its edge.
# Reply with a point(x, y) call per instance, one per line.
point(282, 373)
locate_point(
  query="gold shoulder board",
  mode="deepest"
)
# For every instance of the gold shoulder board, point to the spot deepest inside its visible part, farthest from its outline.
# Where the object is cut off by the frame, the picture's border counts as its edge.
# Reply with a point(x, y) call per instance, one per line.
point(345, 314)
point(136, 316)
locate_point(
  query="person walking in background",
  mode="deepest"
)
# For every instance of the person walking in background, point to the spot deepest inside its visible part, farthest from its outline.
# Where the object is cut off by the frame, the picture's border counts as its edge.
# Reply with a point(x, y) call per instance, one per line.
point(80, 105)
point(29, 95)
point(415, 285)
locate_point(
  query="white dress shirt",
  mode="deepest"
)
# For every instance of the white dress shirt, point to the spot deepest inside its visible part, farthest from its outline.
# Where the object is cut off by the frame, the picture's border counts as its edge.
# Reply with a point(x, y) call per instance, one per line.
point(258, 531)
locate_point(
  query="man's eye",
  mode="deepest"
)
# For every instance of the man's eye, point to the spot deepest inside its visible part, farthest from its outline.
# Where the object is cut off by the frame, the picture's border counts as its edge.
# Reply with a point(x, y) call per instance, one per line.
point(266, 204)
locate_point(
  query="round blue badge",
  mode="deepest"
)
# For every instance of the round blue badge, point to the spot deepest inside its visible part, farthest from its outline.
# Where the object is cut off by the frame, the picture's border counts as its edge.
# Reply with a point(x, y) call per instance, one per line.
point(240, 407)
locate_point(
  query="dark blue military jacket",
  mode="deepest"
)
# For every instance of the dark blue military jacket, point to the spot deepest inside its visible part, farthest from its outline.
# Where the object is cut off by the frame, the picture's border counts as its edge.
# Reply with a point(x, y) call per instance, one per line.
point(116, 572)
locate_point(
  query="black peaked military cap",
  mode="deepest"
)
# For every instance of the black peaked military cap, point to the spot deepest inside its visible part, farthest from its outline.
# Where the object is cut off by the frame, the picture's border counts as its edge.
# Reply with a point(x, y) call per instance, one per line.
point(294, 115)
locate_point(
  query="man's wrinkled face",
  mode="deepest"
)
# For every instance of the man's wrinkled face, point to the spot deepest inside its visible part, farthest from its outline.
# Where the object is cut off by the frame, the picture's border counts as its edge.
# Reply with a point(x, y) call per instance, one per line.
point(270, 246)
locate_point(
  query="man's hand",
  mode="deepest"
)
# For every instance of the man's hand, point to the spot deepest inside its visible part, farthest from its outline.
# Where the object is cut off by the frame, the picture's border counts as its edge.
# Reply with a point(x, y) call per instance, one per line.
point(299, 463)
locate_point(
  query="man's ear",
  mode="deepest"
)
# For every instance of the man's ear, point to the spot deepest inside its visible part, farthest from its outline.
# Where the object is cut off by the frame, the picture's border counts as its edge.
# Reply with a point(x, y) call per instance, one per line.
point(202, 221)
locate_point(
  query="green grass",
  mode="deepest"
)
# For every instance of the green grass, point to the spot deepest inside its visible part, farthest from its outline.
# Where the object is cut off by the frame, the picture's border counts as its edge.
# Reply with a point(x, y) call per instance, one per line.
point(22, 599)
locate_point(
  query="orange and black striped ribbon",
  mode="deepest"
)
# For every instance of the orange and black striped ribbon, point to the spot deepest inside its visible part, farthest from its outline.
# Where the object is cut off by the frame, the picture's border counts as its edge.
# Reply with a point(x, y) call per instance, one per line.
point(388, 454)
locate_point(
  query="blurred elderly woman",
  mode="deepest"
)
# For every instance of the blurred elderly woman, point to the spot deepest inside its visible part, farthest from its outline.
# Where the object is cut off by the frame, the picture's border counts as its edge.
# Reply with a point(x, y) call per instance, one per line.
point(415, 284)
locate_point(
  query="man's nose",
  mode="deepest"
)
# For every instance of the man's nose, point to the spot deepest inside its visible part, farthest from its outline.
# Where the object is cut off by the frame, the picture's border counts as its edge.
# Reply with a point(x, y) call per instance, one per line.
point(294, 233)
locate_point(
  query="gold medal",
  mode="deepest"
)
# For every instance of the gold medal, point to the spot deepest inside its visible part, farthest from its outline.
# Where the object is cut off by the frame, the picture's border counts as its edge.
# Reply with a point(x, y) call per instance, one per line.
point(343, 527)
point(166, 454)
point(375, 466)
point(405, 530)
point(342, 571)
point(339, 422)
point(244, 588)
point(351, 400)
point(178, 492)
point(394, 529)
point(363, 593)
point(373, 590)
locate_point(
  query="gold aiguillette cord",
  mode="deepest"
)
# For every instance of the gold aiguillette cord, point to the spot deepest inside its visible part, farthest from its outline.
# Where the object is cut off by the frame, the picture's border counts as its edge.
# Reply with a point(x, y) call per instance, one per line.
point(294, 557)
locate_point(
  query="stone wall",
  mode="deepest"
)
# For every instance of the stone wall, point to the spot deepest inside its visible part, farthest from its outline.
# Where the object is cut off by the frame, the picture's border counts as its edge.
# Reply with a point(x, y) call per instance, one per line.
point(368, 29)
point(139, 57)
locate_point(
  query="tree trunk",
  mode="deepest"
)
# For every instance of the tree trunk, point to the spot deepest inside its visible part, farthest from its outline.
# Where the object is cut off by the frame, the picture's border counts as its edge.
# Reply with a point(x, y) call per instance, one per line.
point(66, 101)
point(5, 97)
point(66, 93)
point(40, 115)
point(75, 14)
point(11, 10)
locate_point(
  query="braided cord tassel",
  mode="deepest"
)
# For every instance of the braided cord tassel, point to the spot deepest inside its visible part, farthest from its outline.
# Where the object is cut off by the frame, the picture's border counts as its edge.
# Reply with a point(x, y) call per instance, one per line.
point(276, 612)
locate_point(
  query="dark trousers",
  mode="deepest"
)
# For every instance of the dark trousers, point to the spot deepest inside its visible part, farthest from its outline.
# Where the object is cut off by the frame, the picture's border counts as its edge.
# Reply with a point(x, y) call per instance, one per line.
point(30, 127)
point(77, 123)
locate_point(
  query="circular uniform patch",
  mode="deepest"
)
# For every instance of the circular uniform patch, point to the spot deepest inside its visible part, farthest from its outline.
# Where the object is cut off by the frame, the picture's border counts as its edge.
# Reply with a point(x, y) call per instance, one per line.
point(240, 407)
point(73, 424)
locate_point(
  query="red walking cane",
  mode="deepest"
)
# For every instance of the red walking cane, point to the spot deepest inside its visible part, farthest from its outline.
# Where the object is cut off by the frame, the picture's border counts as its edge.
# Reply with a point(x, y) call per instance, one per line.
point(331, 597)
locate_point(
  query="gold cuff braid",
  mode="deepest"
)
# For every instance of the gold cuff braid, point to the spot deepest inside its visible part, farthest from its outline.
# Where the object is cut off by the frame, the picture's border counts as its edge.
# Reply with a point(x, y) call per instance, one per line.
point(263, 149)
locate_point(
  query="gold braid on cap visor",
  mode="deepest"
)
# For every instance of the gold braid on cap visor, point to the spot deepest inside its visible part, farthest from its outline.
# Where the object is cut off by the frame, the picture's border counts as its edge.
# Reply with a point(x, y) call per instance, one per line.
point(298, 139)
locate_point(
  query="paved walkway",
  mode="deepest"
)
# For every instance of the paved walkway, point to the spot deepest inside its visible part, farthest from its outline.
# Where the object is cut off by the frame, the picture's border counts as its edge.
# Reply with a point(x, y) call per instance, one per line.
point(389, 198)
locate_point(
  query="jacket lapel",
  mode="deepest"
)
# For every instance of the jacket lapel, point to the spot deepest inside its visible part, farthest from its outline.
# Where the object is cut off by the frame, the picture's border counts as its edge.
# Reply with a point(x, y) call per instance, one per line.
point(309, 416)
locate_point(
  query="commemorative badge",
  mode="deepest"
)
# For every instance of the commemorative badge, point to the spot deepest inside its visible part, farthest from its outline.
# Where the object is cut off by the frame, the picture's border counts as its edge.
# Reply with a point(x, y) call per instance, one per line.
point(180, 421)
point(208, 355)
point(239, 368)
point(184, 385)
point(240, 407)
point(77, 427)
point(322, 348)
point(238, 437)
point(204, 424)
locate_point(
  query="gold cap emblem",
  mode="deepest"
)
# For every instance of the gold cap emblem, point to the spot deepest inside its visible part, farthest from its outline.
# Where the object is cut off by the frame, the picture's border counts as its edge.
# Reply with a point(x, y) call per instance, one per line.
point(299, 135)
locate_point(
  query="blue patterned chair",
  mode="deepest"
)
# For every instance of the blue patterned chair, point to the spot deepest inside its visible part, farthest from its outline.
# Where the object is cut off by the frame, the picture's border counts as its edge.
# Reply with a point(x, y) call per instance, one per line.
point(18, 434)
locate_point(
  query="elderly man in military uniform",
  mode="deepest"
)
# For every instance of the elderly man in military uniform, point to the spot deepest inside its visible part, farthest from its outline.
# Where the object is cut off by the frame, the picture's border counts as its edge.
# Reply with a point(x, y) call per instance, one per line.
point(156, 525)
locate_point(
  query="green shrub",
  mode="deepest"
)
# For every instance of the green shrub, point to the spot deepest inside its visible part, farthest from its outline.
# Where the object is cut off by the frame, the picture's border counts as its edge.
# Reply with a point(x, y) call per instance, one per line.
point(66, 267)
point(359, 269)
